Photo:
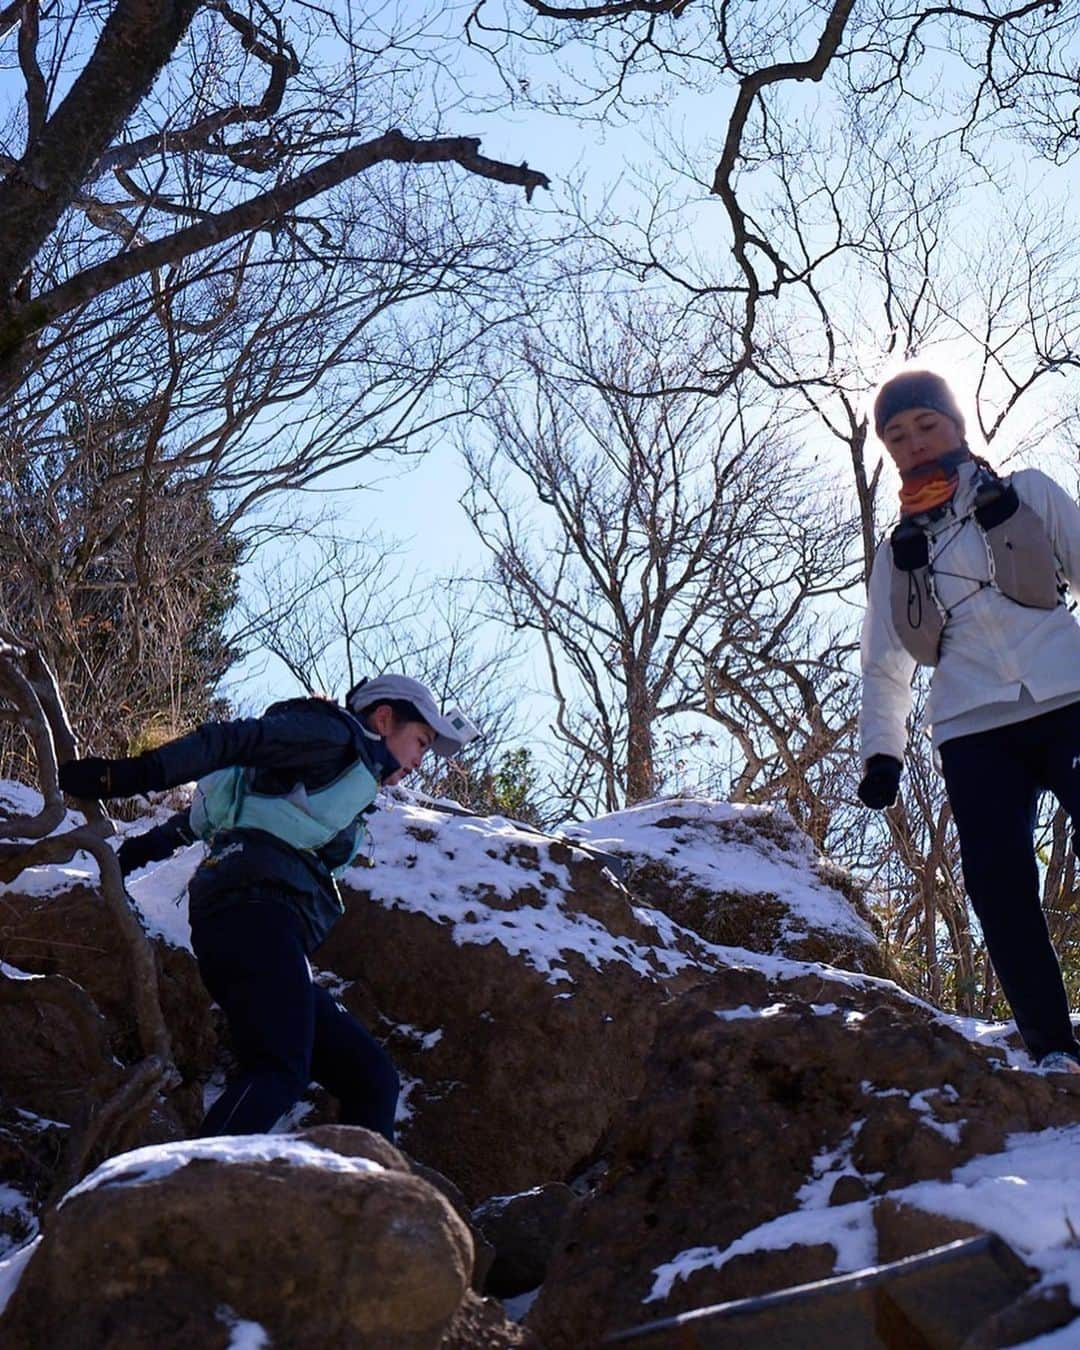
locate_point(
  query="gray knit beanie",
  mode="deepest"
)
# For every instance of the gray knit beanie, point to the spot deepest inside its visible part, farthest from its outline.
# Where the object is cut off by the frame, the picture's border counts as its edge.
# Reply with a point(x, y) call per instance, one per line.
point(915, 389)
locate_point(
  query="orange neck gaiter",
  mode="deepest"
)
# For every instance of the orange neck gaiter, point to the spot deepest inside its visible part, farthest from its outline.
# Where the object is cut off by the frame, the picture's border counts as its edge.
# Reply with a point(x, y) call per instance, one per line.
point(933, 484)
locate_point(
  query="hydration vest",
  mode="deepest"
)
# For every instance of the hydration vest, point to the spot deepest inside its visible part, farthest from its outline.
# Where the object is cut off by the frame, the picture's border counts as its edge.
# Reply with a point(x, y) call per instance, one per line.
point(1020, 559)
point(306, 819)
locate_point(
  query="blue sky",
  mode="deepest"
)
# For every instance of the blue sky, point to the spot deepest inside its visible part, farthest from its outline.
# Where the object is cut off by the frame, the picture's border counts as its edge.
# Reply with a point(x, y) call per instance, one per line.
point(417, 501)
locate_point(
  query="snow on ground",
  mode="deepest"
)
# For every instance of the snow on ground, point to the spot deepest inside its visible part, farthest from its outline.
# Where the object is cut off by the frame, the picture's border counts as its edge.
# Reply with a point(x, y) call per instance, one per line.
point(1029, 1194)
point(14, 973)
point(22, 1225)
point(160, 895)
point(456, 870)
point(519, 1305)
point(16, 799)
point(11, 1269)
point(463, 871)
point(156, 890)
point(244, 1335)
point(748, 860)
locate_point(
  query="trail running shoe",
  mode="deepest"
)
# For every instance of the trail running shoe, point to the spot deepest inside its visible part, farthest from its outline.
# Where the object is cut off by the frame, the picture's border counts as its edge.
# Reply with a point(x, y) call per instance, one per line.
point(1059, 1062)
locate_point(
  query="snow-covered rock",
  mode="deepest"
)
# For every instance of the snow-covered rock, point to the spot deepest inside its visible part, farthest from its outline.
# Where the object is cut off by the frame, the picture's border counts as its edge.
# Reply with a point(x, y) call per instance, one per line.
point(711, 1055)
point(316, 1247)
point(763, 1146)
point(741, 876)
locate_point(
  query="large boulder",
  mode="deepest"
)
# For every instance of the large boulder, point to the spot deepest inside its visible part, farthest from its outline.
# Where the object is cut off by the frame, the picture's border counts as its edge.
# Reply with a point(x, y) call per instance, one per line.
point(520, 982)
point(744, 877)
point(519, 985)
point(64, 929)
point(320, 1247)
point(523, 1231)
point(773, 1120)
point(55, 1046)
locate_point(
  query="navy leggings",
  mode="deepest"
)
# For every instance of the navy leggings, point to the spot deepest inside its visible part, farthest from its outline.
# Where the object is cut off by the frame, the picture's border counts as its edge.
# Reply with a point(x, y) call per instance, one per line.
point(286, 1030)
point(993, 779)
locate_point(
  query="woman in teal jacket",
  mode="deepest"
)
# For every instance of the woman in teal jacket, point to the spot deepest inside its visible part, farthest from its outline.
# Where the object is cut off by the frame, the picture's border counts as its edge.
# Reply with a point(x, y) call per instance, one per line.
point(281, 801)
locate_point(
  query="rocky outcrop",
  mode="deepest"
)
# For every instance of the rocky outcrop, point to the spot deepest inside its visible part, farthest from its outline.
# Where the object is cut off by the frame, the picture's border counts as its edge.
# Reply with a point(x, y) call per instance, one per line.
point(523, 1231)
point(69, 934)
point(642, 1098)
point(519, 1012)
point(320, 1247)
point(773, 1122)
point(744, 877)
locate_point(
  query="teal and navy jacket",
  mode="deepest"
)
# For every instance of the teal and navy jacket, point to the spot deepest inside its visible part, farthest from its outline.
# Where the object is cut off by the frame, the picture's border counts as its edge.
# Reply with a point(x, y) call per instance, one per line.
point(308, 773)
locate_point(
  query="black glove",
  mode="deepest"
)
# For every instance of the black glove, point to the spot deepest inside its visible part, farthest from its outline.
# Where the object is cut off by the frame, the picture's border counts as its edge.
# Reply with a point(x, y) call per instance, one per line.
point(93, 778)
point(879, 787)
point(136, 852)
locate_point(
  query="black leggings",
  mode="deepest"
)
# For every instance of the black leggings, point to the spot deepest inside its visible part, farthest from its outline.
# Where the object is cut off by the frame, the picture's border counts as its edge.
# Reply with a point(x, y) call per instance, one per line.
point(286, 1030)
point(993, 779)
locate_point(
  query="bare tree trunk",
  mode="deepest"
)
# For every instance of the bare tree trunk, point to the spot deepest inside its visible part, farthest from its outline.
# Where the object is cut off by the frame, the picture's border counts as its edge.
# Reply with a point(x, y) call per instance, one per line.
point(640, 717)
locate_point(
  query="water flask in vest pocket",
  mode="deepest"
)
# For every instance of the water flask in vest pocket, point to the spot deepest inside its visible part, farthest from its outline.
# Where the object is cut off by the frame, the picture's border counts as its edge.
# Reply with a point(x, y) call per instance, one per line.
point(910, 548)
point(995, 502)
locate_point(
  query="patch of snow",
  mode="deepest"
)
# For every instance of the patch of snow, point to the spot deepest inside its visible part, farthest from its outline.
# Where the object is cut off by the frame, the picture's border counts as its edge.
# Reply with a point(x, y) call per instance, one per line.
point(495, 1204)
point(458, 867)
point(16, 799)
point(848, 1228)
point(423, 1040)
point(54, 878)
point(41, 1123)
point(14, 1203)
point(950, 1129)
point(334, 985)
point(294, 1117)
point(161, 1160)
point(744, 1011)
point(212, 1089)
point(709, 859)
point(1029, 1194)
point(160, 895)
point(827, 1168)
point(403, 1112)
point(14, 973)
point(519, 1305)
point(11, 1269)
point(244, 1335)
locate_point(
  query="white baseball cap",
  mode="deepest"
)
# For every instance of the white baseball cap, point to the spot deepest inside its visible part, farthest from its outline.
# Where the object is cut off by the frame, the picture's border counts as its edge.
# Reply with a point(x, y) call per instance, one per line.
point(453, 730)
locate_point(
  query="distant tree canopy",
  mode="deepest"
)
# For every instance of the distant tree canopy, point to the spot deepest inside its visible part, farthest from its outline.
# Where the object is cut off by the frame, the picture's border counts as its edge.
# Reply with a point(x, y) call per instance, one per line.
point(123, 583)
point(241, 246)
point(153, 132)
point(245, 246)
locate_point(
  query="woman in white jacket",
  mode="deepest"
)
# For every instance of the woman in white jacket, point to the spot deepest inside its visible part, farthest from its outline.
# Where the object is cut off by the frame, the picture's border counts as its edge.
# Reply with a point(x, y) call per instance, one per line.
point(973, 582)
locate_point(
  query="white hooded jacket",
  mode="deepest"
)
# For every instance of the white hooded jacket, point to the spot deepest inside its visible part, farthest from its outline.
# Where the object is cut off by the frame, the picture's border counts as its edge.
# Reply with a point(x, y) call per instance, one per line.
point(993, 650)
